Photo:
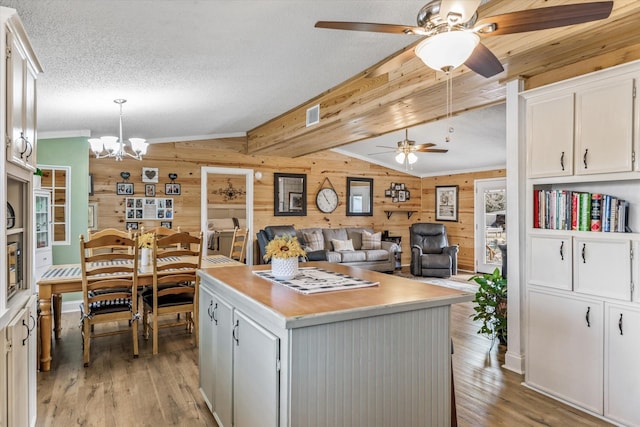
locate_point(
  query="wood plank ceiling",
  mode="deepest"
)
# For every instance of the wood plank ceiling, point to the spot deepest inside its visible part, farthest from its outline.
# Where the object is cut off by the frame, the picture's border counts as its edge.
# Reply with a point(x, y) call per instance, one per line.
point(365, 106)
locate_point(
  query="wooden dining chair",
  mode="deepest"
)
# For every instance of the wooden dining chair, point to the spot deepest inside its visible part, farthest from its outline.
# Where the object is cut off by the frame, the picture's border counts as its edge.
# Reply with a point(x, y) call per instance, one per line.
point(109, 282)
point(176, 259)
point(117, 246)
point(239, 244)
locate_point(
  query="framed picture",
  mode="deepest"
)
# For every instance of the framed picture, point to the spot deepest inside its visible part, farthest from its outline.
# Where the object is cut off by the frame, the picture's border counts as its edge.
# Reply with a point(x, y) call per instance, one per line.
point(165, 224)
point(149, 190)
point(172, 188)
point(447, 203)
point(407, 194)
point(295, 202)
point(91, 184)
point(93, 216)
point(131, 225)
point(402, 196)
point(124, 188)
point(150, 175)
point(387, 193)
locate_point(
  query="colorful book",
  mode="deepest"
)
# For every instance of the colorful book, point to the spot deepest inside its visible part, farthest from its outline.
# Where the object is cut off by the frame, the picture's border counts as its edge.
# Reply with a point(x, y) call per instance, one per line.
point(584, 221)
point(575, 210)
point(605, 214)
point(596, 211)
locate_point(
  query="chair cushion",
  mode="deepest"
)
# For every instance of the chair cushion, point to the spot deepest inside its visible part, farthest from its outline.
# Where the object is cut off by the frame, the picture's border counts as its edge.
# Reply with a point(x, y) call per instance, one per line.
point(435, 261)
point(169, 300)
point(371, 240)
point(108, 306)
point(342, 245)
point(314, 240)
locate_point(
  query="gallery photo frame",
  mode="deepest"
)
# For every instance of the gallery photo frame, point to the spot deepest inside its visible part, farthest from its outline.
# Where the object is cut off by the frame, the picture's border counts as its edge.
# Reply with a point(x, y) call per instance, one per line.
point(172, 189)
point(149, 190)
point(124, 188)
point(447, 203)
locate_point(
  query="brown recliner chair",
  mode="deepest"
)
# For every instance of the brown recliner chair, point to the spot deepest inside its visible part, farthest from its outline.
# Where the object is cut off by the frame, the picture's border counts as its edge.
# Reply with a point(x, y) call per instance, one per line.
point(431, 254)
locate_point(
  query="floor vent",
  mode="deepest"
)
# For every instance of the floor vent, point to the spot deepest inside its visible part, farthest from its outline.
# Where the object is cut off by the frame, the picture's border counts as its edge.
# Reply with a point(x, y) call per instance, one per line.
point(313, 115)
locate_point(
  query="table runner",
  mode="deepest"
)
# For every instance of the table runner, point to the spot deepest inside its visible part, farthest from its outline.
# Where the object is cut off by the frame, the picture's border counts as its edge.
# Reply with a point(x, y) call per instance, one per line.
point(312, 280)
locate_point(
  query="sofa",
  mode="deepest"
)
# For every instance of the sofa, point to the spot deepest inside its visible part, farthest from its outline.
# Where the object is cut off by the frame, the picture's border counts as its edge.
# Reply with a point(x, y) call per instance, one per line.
point(354, 246)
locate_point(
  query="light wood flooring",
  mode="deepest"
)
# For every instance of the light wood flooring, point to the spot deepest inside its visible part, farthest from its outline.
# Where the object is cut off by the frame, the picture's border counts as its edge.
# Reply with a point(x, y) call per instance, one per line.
point(162, 390)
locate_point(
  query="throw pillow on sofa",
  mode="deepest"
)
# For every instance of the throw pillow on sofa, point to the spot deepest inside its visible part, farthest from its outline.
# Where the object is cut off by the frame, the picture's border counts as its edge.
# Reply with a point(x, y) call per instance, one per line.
point(342, 245)
point(371, 240)
point(315, 240)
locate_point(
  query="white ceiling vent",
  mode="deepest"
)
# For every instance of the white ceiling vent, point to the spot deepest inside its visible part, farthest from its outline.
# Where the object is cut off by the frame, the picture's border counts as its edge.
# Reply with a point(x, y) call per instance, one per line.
point(313, 115)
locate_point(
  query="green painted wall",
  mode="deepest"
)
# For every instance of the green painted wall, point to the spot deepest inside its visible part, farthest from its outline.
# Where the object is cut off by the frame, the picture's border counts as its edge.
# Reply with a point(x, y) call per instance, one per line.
point(73, 152)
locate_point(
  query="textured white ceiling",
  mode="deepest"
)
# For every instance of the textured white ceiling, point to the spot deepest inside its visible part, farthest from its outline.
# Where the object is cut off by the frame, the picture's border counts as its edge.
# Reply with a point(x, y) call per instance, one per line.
point(195, 68)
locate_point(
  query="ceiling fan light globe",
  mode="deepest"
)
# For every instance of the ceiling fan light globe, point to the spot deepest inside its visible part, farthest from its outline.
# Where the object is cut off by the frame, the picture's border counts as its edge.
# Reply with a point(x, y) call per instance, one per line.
point(447, 50)
point(400, 158)
point(412, 158)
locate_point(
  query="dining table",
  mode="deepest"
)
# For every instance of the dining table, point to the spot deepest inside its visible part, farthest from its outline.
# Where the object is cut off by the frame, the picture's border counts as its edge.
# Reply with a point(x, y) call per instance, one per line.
point(67, 278)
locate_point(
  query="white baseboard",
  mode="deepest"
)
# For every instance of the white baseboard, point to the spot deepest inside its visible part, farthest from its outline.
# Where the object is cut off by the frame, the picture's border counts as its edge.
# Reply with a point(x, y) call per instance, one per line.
point(514, 362)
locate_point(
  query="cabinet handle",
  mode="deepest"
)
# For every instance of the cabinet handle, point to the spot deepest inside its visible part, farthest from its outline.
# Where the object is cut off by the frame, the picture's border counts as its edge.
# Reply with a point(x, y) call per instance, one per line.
point(213, 316)
point(34, 323)
point(27, 337)
point(562, 251)
point(209, 310)
point(562, 160)
point(234, 333)
point(584, 158)
point(620, 324)
point(584, 258)
point(587, 317)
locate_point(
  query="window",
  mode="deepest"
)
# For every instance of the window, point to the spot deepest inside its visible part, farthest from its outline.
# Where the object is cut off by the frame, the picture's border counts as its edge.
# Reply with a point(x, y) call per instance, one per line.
point(56, 179)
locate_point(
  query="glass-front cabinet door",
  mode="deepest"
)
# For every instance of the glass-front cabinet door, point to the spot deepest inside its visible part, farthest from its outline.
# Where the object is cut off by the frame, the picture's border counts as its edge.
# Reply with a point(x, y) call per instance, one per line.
point(43, 253)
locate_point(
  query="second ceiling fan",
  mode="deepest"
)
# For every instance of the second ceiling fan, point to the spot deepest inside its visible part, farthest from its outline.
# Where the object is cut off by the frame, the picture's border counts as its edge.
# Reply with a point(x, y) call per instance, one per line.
point(453, 31)
point(407, 148)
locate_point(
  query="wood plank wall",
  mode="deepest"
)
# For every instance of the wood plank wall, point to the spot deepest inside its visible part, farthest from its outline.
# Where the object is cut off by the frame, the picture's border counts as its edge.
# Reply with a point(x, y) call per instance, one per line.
point(462, 231)
point(187, 158)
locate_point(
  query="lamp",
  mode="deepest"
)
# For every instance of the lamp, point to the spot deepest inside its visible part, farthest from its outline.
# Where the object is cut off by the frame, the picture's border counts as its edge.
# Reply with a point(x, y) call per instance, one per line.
point(447, 50)
point(112, 146)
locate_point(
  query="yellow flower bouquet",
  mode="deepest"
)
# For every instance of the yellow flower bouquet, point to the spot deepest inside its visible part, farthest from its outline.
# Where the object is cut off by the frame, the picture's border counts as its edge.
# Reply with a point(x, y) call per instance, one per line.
point(145, 240)
point(284, 247)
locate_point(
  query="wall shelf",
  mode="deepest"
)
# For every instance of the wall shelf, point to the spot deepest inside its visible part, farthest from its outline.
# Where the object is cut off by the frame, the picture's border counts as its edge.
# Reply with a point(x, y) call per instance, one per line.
point(409, 213)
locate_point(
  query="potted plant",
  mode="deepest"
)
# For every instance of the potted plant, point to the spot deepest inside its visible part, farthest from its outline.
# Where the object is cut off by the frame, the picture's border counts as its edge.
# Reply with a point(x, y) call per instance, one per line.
point(491, 305)
point(284, 252)
point(37, 178)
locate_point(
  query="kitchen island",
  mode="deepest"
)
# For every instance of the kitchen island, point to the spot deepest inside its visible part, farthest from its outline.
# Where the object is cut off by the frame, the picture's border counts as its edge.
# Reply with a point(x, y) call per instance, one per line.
point(374, 356)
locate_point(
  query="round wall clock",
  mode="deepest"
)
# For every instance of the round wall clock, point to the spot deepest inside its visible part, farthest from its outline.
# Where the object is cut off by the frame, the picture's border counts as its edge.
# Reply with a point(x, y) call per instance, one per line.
point(327, 200)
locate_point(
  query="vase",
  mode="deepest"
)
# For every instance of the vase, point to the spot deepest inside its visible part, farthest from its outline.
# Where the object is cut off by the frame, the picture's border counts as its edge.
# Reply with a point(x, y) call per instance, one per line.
point(284, 268)
point(145, 256)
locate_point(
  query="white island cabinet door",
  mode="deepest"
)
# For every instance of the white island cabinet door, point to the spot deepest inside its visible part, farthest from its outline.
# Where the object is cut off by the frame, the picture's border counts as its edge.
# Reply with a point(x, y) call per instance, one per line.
point(550, 261)
point(565, 347)
point(603, 268)
point(18, 369)
point(256, 374)
point(206, 346)
point(622, 375)
point(223, 362)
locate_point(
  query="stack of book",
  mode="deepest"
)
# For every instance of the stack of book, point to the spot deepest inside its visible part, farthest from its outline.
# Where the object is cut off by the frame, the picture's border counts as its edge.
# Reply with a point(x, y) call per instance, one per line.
point(572, 210)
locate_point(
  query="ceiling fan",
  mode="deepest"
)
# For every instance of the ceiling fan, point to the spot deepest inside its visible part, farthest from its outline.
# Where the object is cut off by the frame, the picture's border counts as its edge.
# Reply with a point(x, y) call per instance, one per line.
point(407, 148)
point(453, 31)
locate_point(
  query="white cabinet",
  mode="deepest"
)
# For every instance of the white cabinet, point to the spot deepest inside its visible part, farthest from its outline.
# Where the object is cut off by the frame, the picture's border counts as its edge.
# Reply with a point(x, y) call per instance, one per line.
point(43, 253)
point(603, 267)
point(20, 354)
point(550, 261)
point(604, 127)
point(596, 135)
point(550, 125)
point(22, 71)
point(621, 375)
point(255, 374)
point(565, 347)
point(238, 365)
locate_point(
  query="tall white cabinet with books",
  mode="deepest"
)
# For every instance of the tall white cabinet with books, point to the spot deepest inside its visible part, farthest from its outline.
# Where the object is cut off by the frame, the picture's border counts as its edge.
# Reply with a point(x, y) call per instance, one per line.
point(583, 307)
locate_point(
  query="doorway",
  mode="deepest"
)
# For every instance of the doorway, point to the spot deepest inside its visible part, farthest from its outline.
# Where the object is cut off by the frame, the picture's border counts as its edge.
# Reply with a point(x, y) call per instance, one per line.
point(209, 172)
point(490, 209)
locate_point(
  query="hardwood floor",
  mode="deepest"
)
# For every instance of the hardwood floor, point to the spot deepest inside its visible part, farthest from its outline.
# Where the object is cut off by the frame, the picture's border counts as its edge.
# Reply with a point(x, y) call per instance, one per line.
point(162, 390)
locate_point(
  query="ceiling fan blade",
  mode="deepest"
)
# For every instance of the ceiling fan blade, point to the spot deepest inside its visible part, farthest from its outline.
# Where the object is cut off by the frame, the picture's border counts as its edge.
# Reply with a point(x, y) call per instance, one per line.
point(546, 17)
point(425, 145)
point(484, 62)
point(386, 146)
point(465, 8)
point(381, 152)
point(433, 150)
point(369, 26)
point(393, 64)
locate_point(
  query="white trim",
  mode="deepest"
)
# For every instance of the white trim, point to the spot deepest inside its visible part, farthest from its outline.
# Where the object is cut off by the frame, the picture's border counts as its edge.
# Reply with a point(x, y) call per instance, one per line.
point(248, 173)
point(64, 134)
point(196, 137)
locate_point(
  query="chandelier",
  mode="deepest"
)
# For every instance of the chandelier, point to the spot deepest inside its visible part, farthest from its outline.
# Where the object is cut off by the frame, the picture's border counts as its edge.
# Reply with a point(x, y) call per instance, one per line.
point(112, 146)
